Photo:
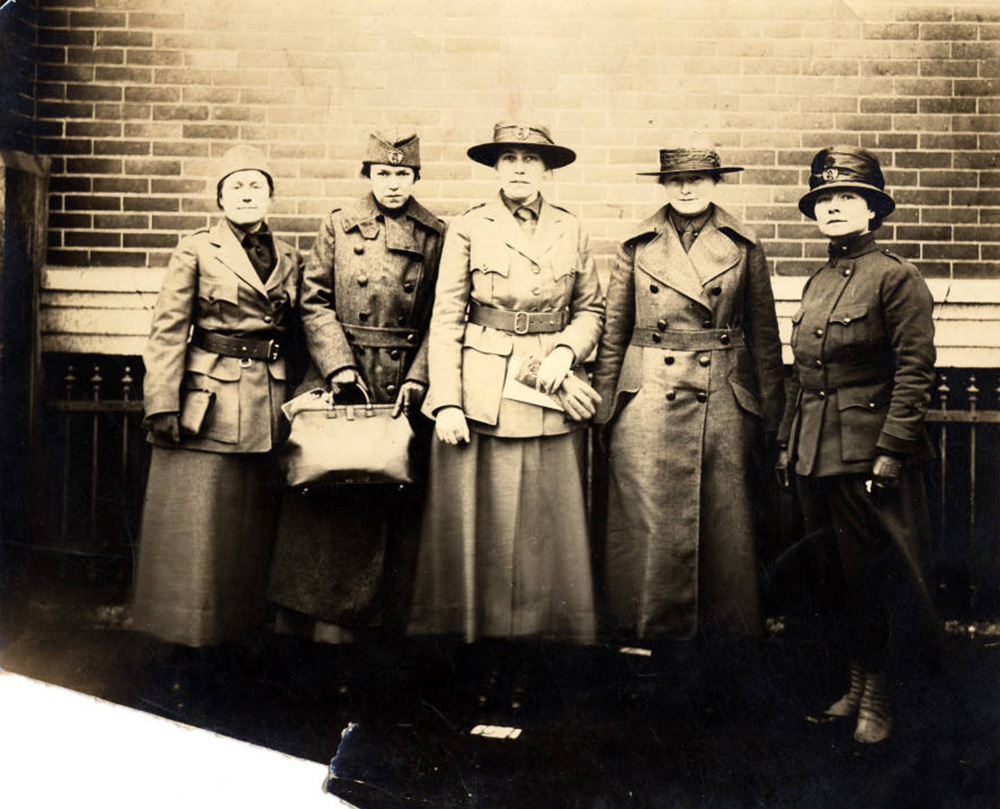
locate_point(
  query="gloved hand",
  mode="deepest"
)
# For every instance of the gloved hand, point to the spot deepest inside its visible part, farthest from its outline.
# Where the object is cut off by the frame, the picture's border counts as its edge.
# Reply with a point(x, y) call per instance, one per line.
point(411, 396)
point(578, 399)
point(344, 378)
point(166, 427)
point(451, 427)
point(781, 468)
point(554, 369)
point(886, 471)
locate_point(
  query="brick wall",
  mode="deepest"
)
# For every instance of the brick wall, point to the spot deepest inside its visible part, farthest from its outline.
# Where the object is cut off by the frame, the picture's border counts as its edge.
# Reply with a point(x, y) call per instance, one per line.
point(17, 73)
point(136, 98)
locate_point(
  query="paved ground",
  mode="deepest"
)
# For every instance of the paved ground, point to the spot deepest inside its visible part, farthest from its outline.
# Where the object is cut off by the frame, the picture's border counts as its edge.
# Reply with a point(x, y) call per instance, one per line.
point(500, 725)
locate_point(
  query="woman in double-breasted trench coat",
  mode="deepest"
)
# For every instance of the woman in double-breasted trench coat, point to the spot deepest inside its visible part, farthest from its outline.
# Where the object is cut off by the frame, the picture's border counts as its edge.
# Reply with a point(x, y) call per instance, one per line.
point(216, 364)
point(853, 434)
point(689, 370)
point(344, 556)
point(504, 549)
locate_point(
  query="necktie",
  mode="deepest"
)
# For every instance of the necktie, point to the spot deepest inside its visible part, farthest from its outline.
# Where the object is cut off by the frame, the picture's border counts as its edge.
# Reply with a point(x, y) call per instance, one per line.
point(687, 237)
point(526, 218)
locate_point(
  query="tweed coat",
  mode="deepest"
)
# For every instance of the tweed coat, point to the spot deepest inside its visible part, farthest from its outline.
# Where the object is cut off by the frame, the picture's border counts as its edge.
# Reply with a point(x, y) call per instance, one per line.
point(689, 368)
point(211, 284)
point(369, 272)
point(490, 260)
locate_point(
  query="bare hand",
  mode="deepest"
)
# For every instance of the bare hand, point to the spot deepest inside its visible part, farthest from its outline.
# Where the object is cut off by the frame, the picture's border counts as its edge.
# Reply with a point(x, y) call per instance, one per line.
point(411, 396)
point(781, 469)
point(578, 399)
point(555, 368)
point(166, 427)
point(451, 427)
point(343, 378)
point(886, 471)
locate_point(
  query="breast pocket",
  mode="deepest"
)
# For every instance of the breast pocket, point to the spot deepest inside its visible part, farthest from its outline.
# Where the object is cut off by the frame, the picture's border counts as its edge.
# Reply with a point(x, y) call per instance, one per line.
point(218, 298)
point(850, 332)
point(489, 264)
point(796, 325)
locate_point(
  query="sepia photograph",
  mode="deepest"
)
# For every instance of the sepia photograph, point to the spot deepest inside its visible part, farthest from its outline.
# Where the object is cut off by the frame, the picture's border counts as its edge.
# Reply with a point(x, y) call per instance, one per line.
point(481, 404)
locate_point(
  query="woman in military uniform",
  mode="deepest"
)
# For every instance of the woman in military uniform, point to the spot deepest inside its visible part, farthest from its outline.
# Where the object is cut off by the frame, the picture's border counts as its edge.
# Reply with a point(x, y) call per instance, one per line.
point(853, 435)
point(689, 371)
point(343, 560)
point(504, 548)
point(214, 385)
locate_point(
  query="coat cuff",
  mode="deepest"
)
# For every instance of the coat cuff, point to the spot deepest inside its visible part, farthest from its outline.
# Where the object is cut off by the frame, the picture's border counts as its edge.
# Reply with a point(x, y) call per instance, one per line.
point(892, 445)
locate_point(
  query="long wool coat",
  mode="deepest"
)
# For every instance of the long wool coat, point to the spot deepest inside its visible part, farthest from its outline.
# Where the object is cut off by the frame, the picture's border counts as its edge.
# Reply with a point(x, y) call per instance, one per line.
point(689, 368)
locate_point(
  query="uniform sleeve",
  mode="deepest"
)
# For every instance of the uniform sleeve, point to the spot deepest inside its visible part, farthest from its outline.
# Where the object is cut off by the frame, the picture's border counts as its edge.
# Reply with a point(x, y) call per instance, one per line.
point(451, 298)
point(325, 337)
point(908, 307)
point(617, 330)
point(586, 308)
point(763, 339)
point(166, 351)
point(418, 370)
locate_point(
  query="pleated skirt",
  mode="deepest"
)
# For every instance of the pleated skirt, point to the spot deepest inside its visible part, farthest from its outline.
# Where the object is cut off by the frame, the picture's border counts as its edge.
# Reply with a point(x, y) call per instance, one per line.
point(504, 549)
point(208, 527)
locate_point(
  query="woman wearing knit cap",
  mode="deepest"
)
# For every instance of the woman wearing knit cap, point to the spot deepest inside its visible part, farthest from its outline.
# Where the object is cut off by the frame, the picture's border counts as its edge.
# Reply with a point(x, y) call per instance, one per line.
point(689, 371)
point(853, 434)
point(214, 386)
point(344, 557)
point(504, 549)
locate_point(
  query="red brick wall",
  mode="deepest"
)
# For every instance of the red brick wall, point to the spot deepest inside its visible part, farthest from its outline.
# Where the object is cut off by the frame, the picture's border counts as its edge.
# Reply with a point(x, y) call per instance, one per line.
point(136, 97)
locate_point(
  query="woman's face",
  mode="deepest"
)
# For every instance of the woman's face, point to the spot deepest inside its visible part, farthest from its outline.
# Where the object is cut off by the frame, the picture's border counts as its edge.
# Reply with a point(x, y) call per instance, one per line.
point(521, 172)
point(391, 185)
point(245, 197)
point(690, 193)
point(842, 213)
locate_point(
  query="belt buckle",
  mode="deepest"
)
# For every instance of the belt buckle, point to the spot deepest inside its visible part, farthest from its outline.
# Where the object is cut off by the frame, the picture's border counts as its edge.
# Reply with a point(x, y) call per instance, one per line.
point(518, 328)
point(273, 350)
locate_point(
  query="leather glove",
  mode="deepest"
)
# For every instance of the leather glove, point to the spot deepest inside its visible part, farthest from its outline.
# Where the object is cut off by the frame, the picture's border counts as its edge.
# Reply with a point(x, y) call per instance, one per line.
point(451, 427)
point(781, 468)
point(578, 399)
point(166, 427)
point(554, 369)
point(886, 471)
point(411, 396)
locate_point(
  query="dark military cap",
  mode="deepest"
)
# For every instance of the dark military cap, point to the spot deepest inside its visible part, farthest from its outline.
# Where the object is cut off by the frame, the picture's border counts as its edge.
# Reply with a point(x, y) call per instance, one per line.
point(848, 168)
point(531, 136)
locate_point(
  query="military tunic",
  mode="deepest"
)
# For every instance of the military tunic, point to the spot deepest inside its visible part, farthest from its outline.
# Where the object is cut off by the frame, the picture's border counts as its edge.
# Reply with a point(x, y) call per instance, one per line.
point(344, 554)
point(689, 368)
point(209, 514)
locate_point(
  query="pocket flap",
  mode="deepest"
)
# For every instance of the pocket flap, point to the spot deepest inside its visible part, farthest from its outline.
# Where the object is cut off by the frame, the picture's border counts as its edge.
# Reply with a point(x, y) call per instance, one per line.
point(869, 397)
point(200, 361)
point(488, 341)
point(215, 289)
point(848, 314)
point(490, 257)
point(746, 399)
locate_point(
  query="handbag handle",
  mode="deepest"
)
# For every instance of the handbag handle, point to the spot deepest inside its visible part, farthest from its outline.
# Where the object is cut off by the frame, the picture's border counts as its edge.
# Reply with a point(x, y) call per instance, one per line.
point(369, 406)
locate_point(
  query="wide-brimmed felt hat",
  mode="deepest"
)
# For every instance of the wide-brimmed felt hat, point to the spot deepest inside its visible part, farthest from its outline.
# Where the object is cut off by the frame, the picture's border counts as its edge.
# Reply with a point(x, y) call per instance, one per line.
point(850, 168)
point(243, 157)
point(693, 152)
point(393, 149)
point(532, 136)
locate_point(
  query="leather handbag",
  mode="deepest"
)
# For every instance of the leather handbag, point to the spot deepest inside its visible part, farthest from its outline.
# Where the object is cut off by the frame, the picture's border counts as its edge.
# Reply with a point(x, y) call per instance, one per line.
point(334, 443)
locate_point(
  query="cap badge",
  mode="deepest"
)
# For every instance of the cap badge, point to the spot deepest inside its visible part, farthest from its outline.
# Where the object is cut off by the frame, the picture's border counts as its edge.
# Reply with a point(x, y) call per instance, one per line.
point(521, 133)
point(829, 175)
point(395, 157)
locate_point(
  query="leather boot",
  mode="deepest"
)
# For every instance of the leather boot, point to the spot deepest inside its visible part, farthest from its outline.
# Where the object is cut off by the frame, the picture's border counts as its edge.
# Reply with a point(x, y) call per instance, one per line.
point(848, 704)
point(874, 718)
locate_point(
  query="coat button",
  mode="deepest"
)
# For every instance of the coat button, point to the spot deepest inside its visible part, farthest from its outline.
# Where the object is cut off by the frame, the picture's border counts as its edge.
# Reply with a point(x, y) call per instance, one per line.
point(669, 359)
point(390, 389)
point(724, 339)
point(364, 315)
point(536, 269)
point(394, 354)
point(267, 318)
point(401, 320)
point(871, 405)
point(847, 272)
point(362, 280)
point(411, 338)
point(661, 324)
point(817, 363)
point(654, 288)
point(704, 360)
point(657, 338)
point(706, 324)
point(847, 321)
point(818, 332)
point(716, 290)
point(359, 249)
point(408, 286)
point(702, 396)
point(536, 291)
point(821, 394)
point(671, 395)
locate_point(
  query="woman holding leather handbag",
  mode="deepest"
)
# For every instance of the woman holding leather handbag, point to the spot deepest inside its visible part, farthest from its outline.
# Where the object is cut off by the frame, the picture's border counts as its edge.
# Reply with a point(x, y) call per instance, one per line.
point(343, 561)
point(214, 384)
point(504, 548)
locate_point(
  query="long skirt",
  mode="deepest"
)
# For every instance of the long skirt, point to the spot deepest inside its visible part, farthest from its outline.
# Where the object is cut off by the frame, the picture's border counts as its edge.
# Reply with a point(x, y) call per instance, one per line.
point(208, 527)
point(504, 550)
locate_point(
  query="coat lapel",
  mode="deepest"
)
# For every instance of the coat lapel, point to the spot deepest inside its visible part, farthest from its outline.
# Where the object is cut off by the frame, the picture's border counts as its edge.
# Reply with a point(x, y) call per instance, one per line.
point(548, 232)
point(713, 253)
point(233, 256)
point(285, 264)
point(664, 259)
point(508, 229)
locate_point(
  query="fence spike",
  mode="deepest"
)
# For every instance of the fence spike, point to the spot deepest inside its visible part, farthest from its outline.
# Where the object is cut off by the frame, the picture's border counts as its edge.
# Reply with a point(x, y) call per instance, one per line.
point(943, 391)
point(69, 380)
point(127, 381)
point(95, 382)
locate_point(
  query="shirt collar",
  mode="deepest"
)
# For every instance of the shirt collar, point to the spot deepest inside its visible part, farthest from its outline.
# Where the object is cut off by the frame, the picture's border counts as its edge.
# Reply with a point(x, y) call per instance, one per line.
point(851, 246)
point(262, 232)
point(680, 221)
point(535, 207)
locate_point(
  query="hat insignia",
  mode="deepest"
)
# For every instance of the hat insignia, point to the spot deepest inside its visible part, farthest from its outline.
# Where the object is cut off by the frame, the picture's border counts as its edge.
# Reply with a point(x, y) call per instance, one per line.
point(521, 133)
point(395, 157)
point(829, 175)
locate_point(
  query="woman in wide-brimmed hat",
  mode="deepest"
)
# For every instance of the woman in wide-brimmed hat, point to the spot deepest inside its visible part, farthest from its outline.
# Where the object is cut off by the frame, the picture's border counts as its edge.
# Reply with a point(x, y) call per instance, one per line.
point(689, 371)
point(504, 548)
point(853, 435)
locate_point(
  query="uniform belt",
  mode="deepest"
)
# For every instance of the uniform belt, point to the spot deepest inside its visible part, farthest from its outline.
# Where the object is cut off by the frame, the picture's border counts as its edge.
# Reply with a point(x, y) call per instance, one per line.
point(381, 337)
point(518, 322)
point(689, 339)
point(245, 348)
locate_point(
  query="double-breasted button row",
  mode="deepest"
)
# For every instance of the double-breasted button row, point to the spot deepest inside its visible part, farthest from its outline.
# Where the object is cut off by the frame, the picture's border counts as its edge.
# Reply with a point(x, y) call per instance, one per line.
point(661, 324)
point(716, 291)
point(706, 324)
point(390, 389)
point(359, 249)
point(362, 280)
point(654, 288)
point(408, 286)
point(701, 396)
point(704, 360)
